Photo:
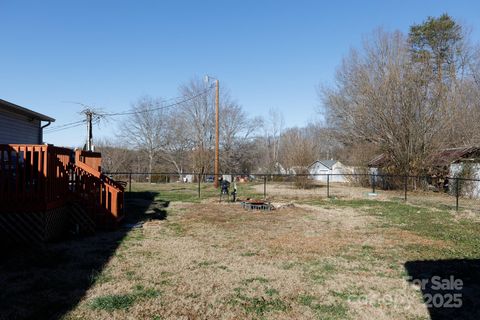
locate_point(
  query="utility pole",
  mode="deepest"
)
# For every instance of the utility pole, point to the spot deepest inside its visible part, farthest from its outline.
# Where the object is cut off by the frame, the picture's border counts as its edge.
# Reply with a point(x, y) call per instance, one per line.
point(217, 134)
point(89, 115)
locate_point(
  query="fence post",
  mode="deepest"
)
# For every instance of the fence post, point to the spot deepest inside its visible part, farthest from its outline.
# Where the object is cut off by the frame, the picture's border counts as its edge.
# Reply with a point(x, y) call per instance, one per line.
point(221, 195)
point(457, 192)
point(264, 187)
point(328, 185)
point(373, 183)
point(199, 177)
point(130, 182)
point(405, 186)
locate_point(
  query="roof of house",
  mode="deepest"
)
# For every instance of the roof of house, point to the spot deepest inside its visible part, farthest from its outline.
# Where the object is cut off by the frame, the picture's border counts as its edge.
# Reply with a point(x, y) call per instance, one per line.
point(448, 156)
point(442, 158)
point(327, 163)
point(378, 161)
point(24, 111)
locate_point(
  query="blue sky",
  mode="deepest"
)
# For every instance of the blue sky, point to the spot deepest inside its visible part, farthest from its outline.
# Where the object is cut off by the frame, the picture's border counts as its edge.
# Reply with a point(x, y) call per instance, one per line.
point(270, 54)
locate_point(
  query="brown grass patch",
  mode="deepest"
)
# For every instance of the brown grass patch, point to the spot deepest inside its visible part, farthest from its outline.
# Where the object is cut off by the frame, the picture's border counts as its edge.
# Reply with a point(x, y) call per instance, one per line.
point(219, 261)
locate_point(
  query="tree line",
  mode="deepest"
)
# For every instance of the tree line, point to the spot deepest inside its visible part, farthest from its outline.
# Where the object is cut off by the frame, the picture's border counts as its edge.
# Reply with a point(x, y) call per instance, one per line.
point(181, 139)
point(406, 96)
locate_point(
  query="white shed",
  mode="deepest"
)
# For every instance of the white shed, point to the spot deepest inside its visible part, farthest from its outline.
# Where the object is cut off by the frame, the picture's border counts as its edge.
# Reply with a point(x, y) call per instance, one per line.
point(321, 168)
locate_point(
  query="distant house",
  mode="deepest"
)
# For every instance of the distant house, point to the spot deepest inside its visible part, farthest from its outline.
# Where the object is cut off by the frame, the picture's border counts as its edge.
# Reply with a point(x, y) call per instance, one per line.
point(445, 162)
point(451, 162)
point(321, 168)
point(453, 159)
point(462, 163)
point(19, 125)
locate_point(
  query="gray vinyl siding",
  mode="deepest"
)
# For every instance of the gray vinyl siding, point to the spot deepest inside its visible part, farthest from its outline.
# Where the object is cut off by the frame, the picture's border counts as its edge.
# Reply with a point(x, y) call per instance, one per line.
point(19, 129)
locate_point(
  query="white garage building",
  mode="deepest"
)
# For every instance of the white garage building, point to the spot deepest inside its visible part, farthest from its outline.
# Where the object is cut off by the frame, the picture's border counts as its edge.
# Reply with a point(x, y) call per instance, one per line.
point(321, 168)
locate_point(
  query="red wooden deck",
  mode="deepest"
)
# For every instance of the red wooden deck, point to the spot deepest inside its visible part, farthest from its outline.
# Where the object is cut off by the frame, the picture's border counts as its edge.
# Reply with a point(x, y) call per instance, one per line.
point(48, 190)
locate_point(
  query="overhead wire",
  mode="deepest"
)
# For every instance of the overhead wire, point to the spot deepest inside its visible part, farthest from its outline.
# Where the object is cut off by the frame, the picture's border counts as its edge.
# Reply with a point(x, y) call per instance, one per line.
point(75, 124)
point(65, 126)
point(158, 108)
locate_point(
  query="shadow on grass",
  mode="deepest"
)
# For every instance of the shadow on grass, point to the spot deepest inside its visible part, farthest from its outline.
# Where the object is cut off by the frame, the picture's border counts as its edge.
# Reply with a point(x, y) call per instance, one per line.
point(451, 288)
point(47, 282)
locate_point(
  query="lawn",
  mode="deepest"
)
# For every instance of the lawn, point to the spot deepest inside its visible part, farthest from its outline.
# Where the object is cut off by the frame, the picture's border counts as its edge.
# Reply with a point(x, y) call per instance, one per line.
point(200, 259)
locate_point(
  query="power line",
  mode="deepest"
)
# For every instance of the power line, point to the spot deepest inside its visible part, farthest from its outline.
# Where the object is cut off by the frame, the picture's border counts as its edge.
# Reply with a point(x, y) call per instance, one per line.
point(64, 128)
point(157, 108)
point(75, 124)
point(63, 125)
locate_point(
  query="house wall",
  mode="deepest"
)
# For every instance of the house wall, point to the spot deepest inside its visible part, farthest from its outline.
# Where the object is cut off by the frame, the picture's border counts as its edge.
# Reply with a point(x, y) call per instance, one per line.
point(338, 170)
point(19, 129)
point(319, 172)
point(470, 189)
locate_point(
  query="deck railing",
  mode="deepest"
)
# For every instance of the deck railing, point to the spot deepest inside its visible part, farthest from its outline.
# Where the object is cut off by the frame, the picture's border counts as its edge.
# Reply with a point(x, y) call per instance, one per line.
point(91, 159)
point(33, 176)
point(102, 196)
point(42, 177)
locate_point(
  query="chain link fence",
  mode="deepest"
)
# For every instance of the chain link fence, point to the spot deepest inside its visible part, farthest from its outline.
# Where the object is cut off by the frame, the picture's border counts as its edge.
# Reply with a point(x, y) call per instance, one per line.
point(443, 193)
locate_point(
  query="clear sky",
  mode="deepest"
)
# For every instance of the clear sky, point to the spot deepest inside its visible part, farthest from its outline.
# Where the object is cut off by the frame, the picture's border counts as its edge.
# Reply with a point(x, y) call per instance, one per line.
point(109, 53)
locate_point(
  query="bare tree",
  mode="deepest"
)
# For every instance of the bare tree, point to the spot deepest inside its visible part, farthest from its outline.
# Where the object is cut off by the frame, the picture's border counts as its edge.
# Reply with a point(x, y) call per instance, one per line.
point(145, 129)
point(298, 149)
point(116, 157)
point(236, 128)
point(273, 129)
point(382, 98)
point(197, 118)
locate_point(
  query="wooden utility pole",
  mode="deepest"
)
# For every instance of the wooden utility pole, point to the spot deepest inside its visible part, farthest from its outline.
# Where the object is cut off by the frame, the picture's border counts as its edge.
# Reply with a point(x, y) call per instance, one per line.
point(89, 145)
point(217, 135)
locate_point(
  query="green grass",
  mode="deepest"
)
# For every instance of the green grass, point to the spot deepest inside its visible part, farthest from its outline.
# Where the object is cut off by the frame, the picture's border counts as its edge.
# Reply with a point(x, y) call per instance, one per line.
point(271, 292)
point(114, 302)
point(248, 254)
point(289, 265)
point(255, 279)
point(350, 294)
point(460, 235)
point(258, 305)
point(319, 271)
point(306, 299)
point(331, 311)
point(206, 263)
point(140, 292)
point(324, 311)
point(188, 192)
point(99, 277)
point(176, 228)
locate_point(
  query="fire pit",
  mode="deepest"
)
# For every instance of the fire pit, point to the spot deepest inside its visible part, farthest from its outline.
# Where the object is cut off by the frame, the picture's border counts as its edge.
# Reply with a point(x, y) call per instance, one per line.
point(251, 204)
